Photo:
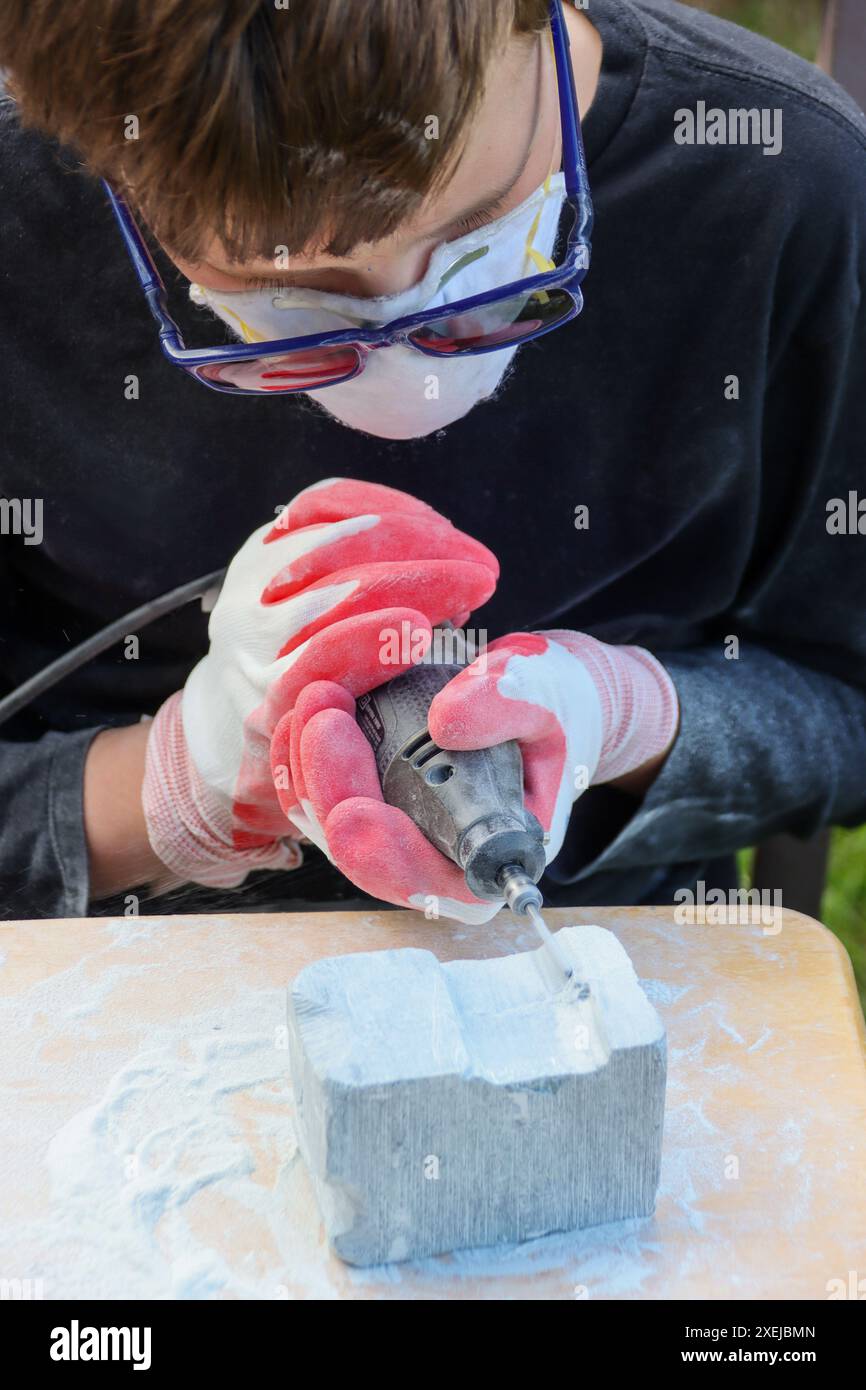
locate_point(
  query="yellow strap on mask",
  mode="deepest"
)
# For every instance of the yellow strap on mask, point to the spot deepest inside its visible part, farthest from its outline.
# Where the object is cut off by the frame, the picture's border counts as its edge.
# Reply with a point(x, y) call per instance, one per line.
point(540, 262)
point(250, 334)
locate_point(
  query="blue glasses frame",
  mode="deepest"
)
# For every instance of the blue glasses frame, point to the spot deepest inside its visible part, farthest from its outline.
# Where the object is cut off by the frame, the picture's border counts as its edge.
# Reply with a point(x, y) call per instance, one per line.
point(568, 276)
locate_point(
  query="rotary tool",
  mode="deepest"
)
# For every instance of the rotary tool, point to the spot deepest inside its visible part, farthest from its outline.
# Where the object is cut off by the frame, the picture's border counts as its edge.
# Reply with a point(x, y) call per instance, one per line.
point(468, 803)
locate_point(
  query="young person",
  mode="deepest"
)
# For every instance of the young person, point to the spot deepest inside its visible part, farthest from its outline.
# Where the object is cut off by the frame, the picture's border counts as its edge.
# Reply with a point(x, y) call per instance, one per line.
point(668, 481)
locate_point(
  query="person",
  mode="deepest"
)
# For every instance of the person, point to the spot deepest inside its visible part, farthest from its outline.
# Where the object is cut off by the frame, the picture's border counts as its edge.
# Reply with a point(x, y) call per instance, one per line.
point(652, 504)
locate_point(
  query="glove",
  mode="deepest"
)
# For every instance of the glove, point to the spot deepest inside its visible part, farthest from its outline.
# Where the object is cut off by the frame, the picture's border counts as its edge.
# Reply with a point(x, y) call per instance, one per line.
point(307, 597)
point(582, 712)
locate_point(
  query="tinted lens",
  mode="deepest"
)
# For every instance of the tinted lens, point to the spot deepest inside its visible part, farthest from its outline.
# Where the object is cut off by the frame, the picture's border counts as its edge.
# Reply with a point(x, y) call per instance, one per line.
point(501, 324)
point(294, 371)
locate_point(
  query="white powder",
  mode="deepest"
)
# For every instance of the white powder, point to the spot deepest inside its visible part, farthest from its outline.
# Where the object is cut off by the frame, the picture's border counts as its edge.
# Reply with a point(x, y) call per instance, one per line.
point(183, 1179)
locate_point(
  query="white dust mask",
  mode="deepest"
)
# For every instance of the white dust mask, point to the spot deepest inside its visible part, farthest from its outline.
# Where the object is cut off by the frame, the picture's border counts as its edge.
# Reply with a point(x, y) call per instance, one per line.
point(403, 393)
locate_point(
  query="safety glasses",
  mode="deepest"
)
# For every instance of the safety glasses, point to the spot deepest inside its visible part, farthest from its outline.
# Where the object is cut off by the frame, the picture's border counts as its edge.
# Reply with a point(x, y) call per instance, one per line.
point(500, 318)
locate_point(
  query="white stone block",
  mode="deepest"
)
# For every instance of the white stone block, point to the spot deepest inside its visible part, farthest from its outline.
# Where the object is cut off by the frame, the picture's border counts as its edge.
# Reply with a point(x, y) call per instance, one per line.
point(478, 1102)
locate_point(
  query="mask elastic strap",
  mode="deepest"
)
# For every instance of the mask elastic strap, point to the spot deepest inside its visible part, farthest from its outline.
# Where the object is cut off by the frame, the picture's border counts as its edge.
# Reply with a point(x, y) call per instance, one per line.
point(540, 262)
point(250, 334)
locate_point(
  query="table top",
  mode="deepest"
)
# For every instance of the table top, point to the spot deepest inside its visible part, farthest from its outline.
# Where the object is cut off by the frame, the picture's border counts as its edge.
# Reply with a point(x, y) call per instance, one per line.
point(147, 1147)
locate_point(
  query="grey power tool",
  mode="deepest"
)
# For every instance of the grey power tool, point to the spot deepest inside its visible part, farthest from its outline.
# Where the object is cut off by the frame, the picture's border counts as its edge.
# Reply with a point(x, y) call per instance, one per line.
point(469, 804)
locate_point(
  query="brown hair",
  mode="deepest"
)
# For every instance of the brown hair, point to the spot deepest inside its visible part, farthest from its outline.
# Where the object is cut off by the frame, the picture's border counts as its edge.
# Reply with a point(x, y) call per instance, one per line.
point(303, 125)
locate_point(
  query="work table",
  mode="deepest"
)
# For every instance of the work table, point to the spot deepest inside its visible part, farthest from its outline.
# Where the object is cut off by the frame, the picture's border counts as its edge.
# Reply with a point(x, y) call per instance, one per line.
point(147, 1146)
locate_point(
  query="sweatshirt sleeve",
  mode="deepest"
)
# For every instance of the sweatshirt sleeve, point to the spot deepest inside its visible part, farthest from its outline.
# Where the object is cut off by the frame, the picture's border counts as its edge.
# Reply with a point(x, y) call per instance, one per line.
point(43, 853)
point(765, 744)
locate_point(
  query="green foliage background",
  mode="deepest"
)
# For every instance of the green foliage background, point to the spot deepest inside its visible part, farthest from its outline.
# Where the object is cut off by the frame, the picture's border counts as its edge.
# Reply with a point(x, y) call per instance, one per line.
point(794, 23)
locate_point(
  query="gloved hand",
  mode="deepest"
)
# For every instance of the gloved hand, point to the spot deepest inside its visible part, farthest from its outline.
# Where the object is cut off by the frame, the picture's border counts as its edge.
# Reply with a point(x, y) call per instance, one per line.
point(582, 712)
point(307, 597)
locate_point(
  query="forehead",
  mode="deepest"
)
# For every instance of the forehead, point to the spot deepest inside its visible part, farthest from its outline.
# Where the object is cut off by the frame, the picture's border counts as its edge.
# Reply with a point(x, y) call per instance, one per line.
point(499, 131)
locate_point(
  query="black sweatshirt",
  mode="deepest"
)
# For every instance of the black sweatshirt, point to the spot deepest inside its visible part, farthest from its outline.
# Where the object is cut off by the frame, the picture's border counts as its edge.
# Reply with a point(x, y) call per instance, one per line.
point(707, 496)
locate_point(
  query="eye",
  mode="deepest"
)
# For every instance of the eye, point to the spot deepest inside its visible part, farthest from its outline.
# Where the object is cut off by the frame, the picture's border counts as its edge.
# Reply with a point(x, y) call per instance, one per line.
point(474, 221)
point(264, 284)
point(483, 217)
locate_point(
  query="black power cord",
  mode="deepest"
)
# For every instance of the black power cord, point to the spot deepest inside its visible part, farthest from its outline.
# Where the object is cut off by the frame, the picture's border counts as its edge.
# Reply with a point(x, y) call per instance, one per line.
point(100, 641)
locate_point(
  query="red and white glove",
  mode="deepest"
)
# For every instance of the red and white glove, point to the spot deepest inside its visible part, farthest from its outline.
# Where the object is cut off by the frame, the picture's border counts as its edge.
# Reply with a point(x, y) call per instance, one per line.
point(306, 598)
point(582, 712)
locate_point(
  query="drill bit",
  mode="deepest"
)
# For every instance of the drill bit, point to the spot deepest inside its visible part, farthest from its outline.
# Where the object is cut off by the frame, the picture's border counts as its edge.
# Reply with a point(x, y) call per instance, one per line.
point(525, 900)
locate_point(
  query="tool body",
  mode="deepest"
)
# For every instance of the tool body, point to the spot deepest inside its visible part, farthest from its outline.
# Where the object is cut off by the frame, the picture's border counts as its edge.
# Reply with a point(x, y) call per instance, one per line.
point(469, 803)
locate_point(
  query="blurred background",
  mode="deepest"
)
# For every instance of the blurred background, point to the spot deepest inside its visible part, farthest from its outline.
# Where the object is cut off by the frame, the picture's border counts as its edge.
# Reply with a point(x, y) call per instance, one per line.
point(832, 33)
point(795, 23)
